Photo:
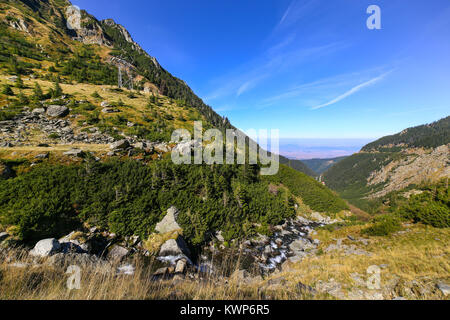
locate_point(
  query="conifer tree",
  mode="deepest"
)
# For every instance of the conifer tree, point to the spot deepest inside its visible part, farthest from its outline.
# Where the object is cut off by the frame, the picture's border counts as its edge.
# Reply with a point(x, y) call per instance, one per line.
point(38, 95)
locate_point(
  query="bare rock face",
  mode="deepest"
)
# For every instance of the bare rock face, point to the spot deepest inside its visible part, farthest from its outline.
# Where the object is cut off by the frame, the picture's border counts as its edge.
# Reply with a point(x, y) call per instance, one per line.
point(19, 24)
point(87, 28)
point(57, 111)
point(417, 166)
point(105, 104)
point(169, 223)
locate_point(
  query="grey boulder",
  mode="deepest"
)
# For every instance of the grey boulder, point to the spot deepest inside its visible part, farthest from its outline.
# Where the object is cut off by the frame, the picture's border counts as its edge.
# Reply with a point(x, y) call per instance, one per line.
point(74, 153)
point(57, 111)
point(174, 247)
point(45, 248)
point(117, 253)
point(444, 288)
point(122, 144)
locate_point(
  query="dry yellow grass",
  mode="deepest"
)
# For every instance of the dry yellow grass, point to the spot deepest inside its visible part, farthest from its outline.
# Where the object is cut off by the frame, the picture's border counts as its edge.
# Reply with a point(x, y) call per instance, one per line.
point(44, 282)
point(421, 254)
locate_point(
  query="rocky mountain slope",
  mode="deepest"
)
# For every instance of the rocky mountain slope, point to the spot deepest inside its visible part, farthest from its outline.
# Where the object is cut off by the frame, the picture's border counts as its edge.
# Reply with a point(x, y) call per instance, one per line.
point(413, 157)
point(92, 155)
point(86, 179)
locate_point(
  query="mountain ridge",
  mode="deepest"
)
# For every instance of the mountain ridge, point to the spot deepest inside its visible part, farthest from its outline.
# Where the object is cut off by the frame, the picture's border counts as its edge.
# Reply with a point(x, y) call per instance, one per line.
point(412, 157)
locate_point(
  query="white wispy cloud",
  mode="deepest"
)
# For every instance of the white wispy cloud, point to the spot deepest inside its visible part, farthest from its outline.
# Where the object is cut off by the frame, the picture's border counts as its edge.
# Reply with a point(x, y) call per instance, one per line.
point(296, 10)
point(272, 63)
point(353, 91)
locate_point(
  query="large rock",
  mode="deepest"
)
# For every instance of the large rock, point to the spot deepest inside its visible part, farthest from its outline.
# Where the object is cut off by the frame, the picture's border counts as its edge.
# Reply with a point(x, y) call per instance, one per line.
point(117, 253)
point(181, 266)
point(174, 247)
point(122, 144)
point(444, 288)
point(3, 236)
point(74, 153)
point(57, 111)
point(45, 248)
point(73, 244)
point(38, 111)
point(169, 223)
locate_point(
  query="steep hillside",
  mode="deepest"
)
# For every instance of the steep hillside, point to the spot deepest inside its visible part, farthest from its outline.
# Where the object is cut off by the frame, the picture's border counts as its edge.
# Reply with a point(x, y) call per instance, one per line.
point(47, 21)
point(298, 165)
point(430, 135)
point(321, 165)
point(88, 152)
point(413, 157)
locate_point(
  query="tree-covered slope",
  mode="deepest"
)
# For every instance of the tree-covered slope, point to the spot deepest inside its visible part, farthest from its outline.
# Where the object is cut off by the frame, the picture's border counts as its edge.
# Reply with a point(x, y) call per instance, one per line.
point(298, 165)
point(426, 136)
point(322, 165)
point(105, 159)
point(393, 163)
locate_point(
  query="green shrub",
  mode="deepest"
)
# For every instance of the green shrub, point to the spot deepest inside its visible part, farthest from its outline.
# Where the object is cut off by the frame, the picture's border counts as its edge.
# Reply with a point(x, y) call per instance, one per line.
point(432, 207)
point(53, 136)
point(130, 198)
point(383, 226)
point(7, 90)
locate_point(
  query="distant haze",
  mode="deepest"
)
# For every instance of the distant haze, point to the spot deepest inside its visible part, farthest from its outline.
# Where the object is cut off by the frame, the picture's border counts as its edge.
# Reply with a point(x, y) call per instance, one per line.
point(304, 149)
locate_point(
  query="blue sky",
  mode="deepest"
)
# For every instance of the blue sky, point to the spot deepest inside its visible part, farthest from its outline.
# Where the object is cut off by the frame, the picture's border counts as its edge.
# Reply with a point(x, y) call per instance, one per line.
point(310, 68)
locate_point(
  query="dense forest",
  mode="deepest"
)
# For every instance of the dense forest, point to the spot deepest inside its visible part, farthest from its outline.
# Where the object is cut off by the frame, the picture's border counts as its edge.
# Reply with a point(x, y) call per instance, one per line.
point(321, 165)
point(427, 136)
point(129, 198)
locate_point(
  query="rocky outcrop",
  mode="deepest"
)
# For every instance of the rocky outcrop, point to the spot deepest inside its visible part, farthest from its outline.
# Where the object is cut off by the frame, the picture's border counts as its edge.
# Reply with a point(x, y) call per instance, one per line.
point(19, 24)
point(3, 236)
point(169, 222)
point(88, 30)
point(444, 288)
point(415, 167)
